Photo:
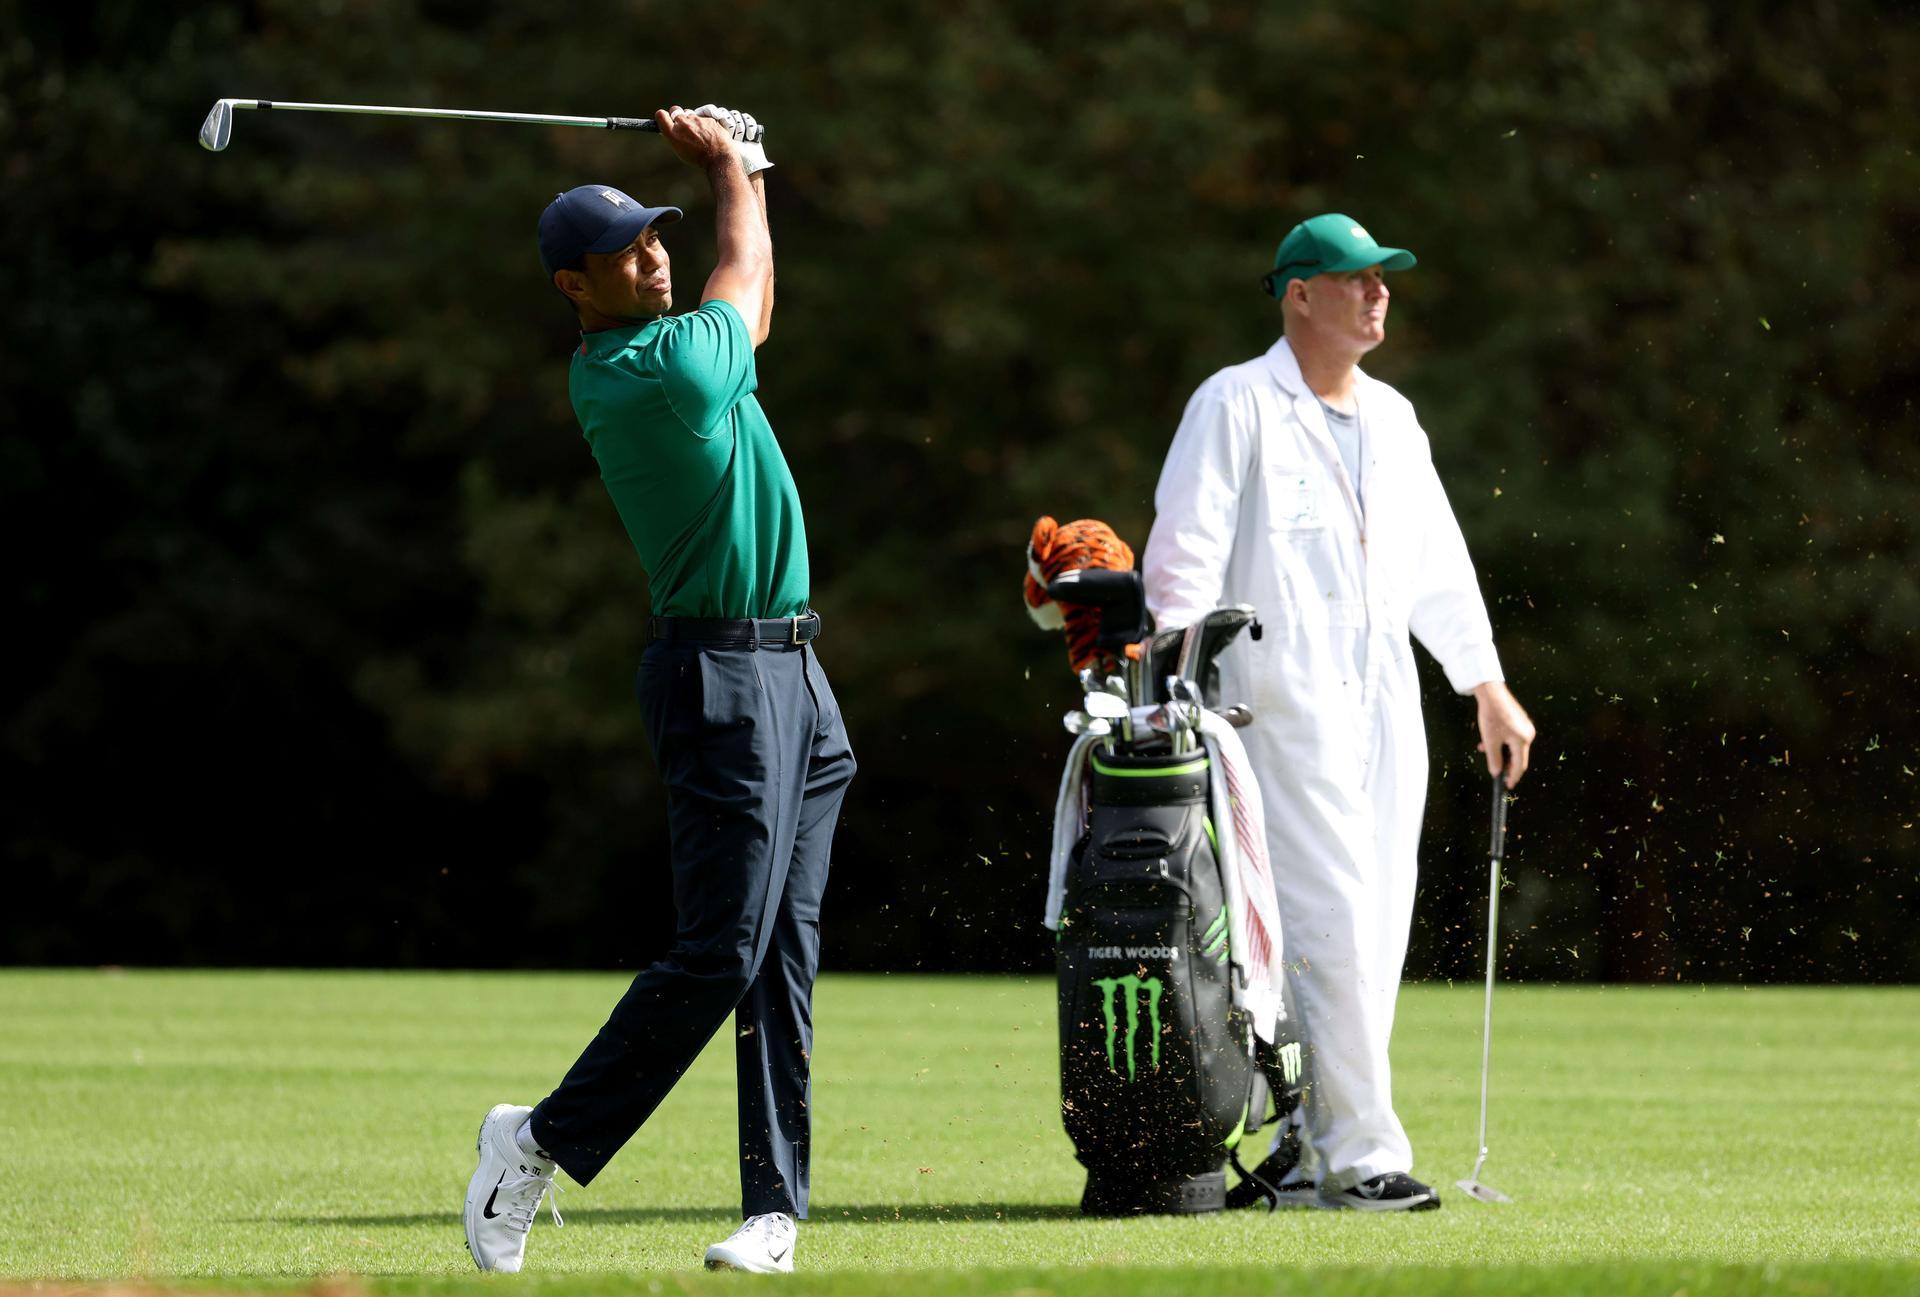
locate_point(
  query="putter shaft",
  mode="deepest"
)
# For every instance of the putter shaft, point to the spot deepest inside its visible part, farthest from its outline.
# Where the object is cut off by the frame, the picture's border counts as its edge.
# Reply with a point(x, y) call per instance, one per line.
point(1496, 850)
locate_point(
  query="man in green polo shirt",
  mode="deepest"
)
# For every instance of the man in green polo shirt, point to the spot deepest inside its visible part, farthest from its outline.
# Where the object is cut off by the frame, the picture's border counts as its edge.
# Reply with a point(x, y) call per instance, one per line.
point(744, 727)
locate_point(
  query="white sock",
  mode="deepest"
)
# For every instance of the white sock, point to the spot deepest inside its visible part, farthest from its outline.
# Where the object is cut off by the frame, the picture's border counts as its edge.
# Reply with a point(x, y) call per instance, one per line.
point(524, 1138)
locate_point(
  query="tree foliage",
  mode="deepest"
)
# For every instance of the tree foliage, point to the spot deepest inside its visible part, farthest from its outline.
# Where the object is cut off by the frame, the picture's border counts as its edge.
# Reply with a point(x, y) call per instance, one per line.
point(327, 627)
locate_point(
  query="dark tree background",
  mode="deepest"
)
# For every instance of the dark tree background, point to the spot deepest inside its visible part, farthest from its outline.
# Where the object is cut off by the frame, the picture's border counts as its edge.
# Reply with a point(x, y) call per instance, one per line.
point(323, 629)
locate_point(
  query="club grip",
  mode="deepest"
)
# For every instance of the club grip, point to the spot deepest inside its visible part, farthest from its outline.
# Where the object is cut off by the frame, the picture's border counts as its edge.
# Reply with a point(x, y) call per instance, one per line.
point(1497, 848)
point(633, 124)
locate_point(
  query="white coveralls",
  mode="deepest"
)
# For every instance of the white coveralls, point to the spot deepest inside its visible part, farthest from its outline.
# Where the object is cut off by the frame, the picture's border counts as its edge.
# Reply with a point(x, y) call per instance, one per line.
point(1255, 506)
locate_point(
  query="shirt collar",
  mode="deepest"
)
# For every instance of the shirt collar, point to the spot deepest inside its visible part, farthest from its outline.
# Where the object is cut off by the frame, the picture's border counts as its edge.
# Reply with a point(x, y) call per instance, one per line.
point(603, 342)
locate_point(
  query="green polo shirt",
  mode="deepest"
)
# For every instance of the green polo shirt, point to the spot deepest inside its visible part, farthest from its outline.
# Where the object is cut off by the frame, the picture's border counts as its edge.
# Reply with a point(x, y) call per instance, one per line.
point(692, 464)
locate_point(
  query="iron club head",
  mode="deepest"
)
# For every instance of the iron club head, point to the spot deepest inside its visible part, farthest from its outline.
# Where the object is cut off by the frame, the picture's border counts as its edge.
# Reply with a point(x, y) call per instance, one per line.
point(1106, 706)
point(1484, 1192)
point(217, 131)
point(1079, 723)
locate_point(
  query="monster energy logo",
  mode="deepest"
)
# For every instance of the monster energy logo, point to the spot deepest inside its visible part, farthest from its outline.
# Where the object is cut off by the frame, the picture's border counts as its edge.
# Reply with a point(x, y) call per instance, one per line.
point(1290, 1062)
point(1130, 988)
point(1215, 942)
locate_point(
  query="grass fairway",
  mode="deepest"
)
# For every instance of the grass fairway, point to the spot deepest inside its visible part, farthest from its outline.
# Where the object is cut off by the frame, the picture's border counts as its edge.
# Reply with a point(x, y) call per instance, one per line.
point(255, 1130)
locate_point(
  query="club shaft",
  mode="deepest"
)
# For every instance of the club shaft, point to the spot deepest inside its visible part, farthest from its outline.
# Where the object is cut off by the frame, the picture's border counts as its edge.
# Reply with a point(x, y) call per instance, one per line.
point(1486, 1024)
point(1496, 849)
point(454, 114)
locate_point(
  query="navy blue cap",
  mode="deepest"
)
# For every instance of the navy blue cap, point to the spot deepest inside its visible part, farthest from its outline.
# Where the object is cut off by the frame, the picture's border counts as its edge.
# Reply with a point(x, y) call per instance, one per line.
point(594, 218)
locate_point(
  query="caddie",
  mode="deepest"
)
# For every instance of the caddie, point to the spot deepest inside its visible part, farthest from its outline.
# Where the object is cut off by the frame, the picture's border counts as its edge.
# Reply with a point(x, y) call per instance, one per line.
point(744, 727)
point(1300, 485)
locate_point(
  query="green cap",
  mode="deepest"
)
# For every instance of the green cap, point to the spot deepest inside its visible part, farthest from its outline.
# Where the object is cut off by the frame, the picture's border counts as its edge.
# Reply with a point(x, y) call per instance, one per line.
point(1330, 243)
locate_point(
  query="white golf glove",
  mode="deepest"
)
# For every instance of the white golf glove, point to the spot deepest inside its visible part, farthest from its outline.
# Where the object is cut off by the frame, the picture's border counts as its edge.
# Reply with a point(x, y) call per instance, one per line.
point(745, 132)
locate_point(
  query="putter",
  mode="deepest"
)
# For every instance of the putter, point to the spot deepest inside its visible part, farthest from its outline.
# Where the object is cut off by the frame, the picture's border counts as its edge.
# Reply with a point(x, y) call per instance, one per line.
point(217, 131)
point(1472, 1185)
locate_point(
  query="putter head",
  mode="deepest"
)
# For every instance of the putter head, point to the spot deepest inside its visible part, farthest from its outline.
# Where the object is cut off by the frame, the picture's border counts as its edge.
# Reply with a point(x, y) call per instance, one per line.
point(1484, 1192)
point(217, 131)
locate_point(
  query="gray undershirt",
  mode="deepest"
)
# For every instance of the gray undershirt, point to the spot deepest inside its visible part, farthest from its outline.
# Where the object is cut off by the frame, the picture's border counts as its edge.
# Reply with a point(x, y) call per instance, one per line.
point(1346, 435)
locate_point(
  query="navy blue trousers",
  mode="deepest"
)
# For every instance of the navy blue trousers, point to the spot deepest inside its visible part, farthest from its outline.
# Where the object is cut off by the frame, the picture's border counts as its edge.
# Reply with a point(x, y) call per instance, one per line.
point(750, 743)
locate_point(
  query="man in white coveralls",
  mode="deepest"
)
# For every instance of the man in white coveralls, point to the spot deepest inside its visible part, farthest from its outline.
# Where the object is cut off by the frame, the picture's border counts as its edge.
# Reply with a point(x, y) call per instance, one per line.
point(1299, 485)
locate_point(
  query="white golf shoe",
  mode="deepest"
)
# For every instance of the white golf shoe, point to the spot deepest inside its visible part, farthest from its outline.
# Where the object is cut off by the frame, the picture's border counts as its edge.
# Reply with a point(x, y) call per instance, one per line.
point(763, 1245)
point(505, 1192)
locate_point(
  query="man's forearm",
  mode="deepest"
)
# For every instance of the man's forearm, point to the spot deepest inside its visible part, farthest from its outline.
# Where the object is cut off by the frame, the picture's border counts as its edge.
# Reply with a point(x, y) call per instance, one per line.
point(740, 215)
point(758, 183)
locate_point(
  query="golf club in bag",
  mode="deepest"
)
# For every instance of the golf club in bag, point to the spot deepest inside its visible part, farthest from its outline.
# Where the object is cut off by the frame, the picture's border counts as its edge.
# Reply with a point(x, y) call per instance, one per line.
point(1158, 1076)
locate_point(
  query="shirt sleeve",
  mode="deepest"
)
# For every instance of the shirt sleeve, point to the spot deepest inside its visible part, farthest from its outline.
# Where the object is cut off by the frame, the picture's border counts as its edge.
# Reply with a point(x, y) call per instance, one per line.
point(1197, 510)
point(706, 365)
point(1448, 615)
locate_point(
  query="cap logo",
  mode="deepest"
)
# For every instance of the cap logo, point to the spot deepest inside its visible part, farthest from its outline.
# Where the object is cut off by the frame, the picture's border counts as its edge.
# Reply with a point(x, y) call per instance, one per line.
point(616, 199)
point(1359, 233)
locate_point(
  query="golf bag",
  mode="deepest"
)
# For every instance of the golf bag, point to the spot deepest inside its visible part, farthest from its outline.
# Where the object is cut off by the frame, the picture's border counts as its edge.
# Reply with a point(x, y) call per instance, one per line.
point(1158, 1076)
point(1156, 1064)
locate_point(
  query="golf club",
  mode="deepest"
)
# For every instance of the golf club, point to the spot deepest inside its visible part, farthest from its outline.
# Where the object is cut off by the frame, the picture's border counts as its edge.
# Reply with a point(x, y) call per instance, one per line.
point(1104, 710)
point(1207, 636)
point(1472, 1185)
point(1079, 723)
point(1183, 704)
point(217, 131)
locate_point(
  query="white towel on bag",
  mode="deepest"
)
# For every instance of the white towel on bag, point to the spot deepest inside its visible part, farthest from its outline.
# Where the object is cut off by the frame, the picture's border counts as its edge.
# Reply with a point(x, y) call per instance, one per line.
point(1069, 822)
point(1253, 906)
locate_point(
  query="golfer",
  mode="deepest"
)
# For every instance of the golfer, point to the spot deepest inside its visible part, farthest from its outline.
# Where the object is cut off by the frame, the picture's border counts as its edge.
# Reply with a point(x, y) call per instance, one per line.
point(1299, 485)
point(744, 728)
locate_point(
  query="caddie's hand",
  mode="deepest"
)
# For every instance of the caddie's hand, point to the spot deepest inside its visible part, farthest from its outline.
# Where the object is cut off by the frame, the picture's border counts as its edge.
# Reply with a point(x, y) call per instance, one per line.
point(696, 140)
point(1506, 732)
point(746, 133)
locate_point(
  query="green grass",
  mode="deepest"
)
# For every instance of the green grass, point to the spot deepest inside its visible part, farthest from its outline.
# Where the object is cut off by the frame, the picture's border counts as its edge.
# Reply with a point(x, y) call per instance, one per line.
point(259, 1129)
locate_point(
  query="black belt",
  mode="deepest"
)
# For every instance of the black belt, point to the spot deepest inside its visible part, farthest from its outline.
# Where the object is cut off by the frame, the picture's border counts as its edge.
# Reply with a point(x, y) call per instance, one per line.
point(745, 630)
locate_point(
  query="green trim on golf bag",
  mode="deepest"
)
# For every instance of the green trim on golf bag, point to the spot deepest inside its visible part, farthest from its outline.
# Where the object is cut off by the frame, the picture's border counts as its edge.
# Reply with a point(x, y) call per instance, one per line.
point(1156, 1063)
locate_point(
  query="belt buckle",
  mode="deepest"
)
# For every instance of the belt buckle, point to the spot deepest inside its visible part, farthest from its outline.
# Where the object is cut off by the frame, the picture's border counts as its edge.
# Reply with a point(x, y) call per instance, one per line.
point(795, 641)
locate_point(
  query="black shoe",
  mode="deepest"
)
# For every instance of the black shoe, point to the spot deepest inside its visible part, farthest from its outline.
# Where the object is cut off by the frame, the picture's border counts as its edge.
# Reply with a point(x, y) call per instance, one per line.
point(1262, 1187)
point(1394, 1191)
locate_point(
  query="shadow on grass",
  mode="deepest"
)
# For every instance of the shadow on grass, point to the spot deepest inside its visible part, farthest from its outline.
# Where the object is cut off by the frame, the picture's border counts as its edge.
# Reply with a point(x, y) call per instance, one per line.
point(851, 1213)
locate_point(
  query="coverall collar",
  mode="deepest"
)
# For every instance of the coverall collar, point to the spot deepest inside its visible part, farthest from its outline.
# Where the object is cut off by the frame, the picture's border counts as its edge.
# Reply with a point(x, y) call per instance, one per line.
point(1286, 368)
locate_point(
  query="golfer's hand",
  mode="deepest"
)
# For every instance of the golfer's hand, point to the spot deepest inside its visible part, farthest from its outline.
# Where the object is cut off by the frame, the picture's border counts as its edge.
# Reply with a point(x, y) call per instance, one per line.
point(740, 126)
point(746, 133)
point(1506, 732)
point(697, 141)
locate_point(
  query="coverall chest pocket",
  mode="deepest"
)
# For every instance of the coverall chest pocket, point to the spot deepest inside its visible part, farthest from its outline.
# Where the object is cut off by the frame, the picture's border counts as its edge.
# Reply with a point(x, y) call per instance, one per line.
point(1296, 497)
